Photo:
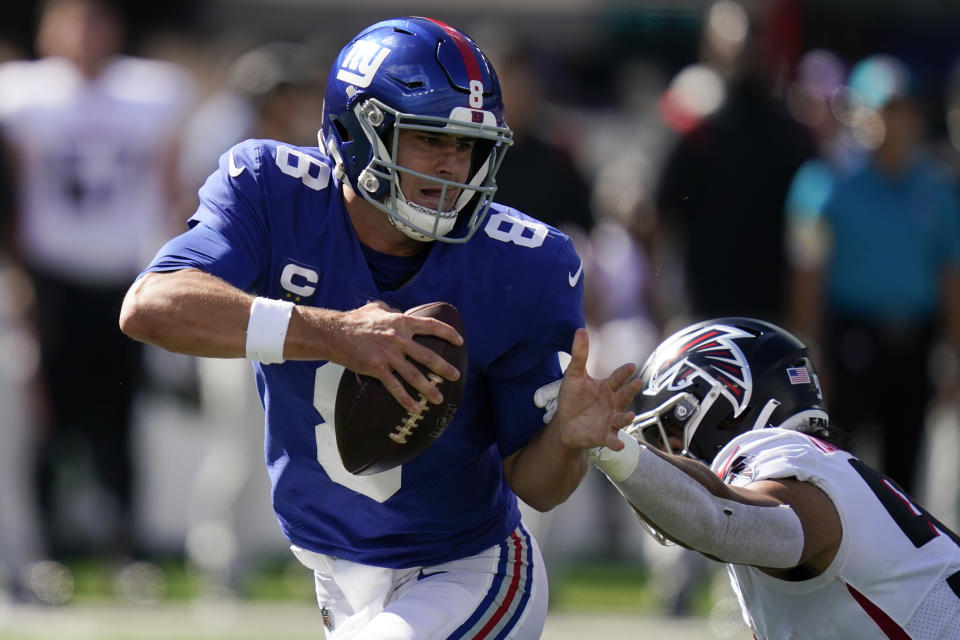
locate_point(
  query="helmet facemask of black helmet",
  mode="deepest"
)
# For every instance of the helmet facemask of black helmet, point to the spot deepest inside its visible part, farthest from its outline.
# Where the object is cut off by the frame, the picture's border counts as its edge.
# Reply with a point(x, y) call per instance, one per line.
point(712, 381)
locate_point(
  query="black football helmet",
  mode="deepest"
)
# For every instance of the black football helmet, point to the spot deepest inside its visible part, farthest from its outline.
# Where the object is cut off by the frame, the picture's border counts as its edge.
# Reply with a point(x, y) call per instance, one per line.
point(716, 379)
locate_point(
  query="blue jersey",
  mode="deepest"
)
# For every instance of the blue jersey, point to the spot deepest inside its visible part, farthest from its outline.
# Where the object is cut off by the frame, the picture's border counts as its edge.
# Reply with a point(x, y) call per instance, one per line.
point(272, 222)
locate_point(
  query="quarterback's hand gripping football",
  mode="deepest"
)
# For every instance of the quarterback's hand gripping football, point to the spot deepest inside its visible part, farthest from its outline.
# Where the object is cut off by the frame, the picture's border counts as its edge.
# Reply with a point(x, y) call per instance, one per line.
point(377, 341)
point(590, 412)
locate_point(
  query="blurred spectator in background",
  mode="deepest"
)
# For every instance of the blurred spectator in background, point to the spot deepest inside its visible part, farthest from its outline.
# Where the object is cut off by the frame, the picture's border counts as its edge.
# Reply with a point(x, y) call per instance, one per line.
point(947, 148)
point(721, 194)
point(539, 175)
point(20, 544)
point(882, 272)
point(269, 93)
point(719, 198)
point(819, 99)
point(92, 135)
point(627, 149)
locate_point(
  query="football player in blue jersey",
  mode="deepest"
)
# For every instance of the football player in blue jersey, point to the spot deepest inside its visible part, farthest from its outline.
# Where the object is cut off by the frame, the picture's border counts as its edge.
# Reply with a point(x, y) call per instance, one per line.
point(301, 260)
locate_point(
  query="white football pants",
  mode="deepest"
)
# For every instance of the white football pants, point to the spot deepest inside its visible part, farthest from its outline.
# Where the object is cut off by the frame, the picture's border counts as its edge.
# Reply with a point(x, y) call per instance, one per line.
point(499, 593)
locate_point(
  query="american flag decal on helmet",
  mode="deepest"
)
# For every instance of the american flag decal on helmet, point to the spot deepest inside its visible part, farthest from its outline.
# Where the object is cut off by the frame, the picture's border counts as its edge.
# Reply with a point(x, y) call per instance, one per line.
point(709, 353)
point(798, 375)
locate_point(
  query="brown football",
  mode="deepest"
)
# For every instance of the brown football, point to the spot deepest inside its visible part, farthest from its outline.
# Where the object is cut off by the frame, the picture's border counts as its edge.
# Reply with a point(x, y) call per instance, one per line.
point(374, 432)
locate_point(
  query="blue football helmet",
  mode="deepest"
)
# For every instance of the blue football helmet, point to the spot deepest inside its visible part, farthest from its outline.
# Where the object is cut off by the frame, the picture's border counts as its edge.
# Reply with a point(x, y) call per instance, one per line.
point(712, 381)
point(415, 74)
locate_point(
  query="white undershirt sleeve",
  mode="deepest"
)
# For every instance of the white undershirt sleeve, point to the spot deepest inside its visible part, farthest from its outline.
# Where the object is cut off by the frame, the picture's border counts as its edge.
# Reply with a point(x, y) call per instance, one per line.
point(685, 510)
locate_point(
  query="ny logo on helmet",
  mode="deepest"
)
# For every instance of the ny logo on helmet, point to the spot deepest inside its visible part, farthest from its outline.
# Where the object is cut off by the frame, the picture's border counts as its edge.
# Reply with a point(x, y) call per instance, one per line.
point(710, 354)
point(365, 57)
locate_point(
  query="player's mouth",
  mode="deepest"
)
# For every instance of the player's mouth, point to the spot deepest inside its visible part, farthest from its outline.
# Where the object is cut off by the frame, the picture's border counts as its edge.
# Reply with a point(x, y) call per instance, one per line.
point(431, 198)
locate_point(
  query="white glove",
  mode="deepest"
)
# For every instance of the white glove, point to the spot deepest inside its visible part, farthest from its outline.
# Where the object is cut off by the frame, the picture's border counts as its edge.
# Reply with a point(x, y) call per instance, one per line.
point(546, 398)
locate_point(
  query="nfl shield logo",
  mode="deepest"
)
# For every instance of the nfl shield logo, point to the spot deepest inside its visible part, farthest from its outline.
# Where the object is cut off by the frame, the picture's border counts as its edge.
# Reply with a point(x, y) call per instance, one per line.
point(327, 616)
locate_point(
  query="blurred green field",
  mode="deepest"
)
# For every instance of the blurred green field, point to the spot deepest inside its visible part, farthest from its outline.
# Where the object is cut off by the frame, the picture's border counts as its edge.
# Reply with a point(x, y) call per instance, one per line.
point(582, 587)
point(166, 601)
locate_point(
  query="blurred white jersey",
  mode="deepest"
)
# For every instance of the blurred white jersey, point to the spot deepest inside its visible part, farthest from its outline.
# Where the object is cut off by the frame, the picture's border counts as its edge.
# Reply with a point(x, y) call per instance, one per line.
point(896, 574)
point(93, 201)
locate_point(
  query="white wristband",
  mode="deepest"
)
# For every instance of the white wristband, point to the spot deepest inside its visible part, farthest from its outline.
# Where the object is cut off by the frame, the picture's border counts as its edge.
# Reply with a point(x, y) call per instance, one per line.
point(617, 465)
point(267, 329)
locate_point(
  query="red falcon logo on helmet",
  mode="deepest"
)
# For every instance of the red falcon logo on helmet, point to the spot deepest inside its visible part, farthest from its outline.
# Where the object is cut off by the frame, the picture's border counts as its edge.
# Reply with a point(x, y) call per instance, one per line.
point(709, 353)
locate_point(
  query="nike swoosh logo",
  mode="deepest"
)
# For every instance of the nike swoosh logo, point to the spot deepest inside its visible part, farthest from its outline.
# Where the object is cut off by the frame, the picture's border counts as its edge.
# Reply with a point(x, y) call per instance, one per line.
point(573, 278)
point(233, 169)
point(423, 575)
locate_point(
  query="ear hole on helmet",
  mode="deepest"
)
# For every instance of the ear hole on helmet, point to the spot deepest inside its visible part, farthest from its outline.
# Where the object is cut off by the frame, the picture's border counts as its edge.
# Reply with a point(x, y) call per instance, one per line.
point(386, 137)
point(342, 131)
point(481, 153)
point(729, 424)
